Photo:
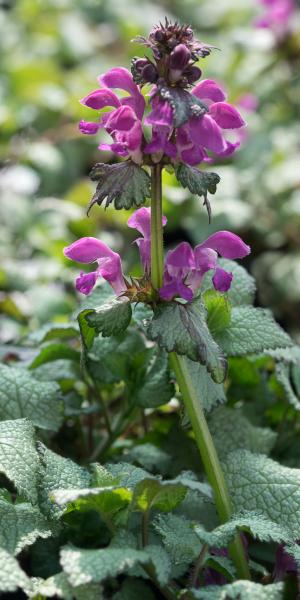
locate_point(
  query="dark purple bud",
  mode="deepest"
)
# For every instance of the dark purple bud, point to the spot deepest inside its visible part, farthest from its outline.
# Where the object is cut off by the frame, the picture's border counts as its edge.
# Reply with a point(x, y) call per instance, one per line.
point(149, 73)
point(192, 74)
point(159, 35)
point(140, 63)
point(172, 42)
point(179, 57)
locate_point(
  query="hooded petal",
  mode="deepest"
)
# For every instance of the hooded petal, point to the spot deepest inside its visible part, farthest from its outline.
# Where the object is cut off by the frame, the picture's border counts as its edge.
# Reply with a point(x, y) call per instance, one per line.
point(122, 79)
point(181, 259)
point(227, 244)
point(144, 246)
point(209, 89)
point(176, 288)
point(100, 98)
point(85, 282)
point(121, 119)
point(193, 155)
point(141, 220)
point(226, 115)
point(87, 250)
point(161, 115)
point(222, 280)
point(205, 259)
point(204, 131)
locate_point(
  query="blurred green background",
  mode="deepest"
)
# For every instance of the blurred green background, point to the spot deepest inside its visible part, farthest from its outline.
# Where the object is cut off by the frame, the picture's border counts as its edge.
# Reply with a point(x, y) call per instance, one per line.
point(51, 54)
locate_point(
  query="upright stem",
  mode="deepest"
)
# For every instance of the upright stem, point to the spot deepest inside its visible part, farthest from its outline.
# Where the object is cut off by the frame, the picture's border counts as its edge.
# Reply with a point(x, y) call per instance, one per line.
point(189, 394)
point(157, 249)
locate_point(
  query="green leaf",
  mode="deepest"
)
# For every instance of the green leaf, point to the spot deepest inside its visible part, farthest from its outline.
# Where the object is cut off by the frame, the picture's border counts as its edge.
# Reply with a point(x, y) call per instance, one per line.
point(85, 566)
point(126, 184)
point(155, 387)
point(118, 358)
point(161, 563)
point(259, 526)
point(128, 475)
point(53, 331)
point(198, 182)
point(210, 394)
point(240, 590)
point(53, 352)
point(182, 328)
point(134, 589)
point(231, 430)
point(283, 373)
point(58, 586)
point(251, 331)
point(21, 395)
point(11, 575)
point(257, 483)
point(111, 318)
point(107, 501)
point(57, 472)
point(20, 526)
point(18, 456)
point(184, 104)
point(179, 537)
point(102, 294)
point(151, 493)
point(150, 457)
point(218, 311)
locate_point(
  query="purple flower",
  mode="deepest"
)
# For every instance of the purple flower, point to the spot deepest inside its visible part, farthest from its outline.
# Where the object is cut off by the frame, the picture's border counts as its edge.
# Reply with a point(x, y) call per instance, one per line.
point(123, 123)
point(185, 267)
point(89, 250)
point(141, 220)
point(277, 16)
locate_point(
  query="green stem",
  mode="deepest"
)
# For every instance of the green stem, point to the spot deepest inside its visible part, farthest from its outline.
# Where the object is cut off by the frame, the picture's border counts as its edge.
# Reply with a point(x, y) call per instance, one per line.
point(157, 249)
point(209, 458)
point(202, 434)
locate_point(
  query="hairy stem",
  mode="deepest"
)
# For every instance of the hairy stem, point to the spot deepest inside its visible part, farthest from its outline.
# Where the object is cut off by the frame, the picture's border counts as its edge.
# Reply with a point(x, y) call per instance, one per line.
point(189, 394)
point(209, 458)
point(157, 249)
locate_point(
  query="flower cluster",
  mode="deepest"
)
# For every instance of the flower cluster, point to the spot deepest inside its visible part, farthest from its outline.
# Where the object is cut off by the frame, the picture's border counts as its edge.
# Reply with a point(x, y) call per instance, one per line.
point(184, 267)
point(205, 110)
point(277, 16)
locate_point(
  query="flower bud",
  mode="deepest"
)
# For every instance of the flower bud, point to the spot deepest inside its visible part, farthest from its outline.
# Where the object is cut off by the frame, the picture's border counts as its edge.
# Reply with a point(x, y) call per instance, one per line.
point(180, 57)
point(192, 74)
point(140, 63)
point(149, 73)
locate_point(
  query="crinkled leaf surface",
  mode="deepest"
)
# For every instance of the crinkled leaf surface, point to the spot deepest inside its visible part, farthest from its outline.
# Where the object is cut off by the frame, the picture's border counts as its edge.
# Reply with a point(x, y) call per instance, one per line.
point(182, 328)
point(18, 456)
point(155, 388)
point(57, 472)
point(107, 501)
point(231, 430)
point(127, 475)
point(21, 395)
point(251, 330)
point(209, 392)
point(11, 575)
point(198, 182)
point(183, 103)
point(260, 484)
point(20, 525)
point(125, 183)
point(111, 318)
point(283, 374)
point(179, 538)
point(58, 586)
point(240, 590)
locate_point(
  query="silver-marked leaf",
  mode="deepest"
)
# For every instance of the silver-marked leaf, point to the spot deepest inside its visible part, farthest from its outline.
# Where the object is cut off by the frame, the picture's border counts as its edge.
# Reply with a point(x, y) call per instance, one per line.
point(210, 394)
point(182, 328)
point(231, 430)
point(21, 395)
point(283, 373)
point(179, 538)
point(107, 501)
point(20, 526)
point(58, 586)
point(111, 318)
point(12, 576)
point(18, 456)
point(155, 388)
point(251, 331)
point(240, 590)
point(126, 184)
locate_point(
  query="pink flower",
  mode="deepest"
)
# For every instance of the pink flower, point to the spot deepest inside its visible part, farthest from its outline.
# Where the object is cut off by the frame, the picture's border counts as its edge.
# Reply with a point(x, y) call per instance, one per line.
point(277, 16)
point(89, 250)
point(141, 220)
point(123, 122)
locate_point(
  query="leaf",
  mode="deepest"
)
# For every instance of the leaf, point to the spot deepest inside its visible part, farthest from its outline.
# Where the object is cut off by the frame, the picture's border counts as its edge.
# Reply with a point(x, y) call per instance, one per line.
point(251, 331)
point(21, 395)
point(231, 430)
point(20, 526)
point(240, 590)
point(11, 575)
point(102, 294)
point(179, 538)
point(134, 589)
point(126, 184)
point(58, 586)
point(182, 328)
point(259, 526)
point(218, 311)
point(210, 394)
point(111, 318)
point(151, 493)
point(53, 352)
point(57, 472)
point(243, 287)
point(155, 388)
point(198, 182)
point(107, 501)
point(117, 358)
point(184, 104)
point(128, 475)
point(257, 483)
point(53, 331)
point(18, 456)
point(161, 563)
point(283, 373)
point(150, 457)
point(84, 566)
